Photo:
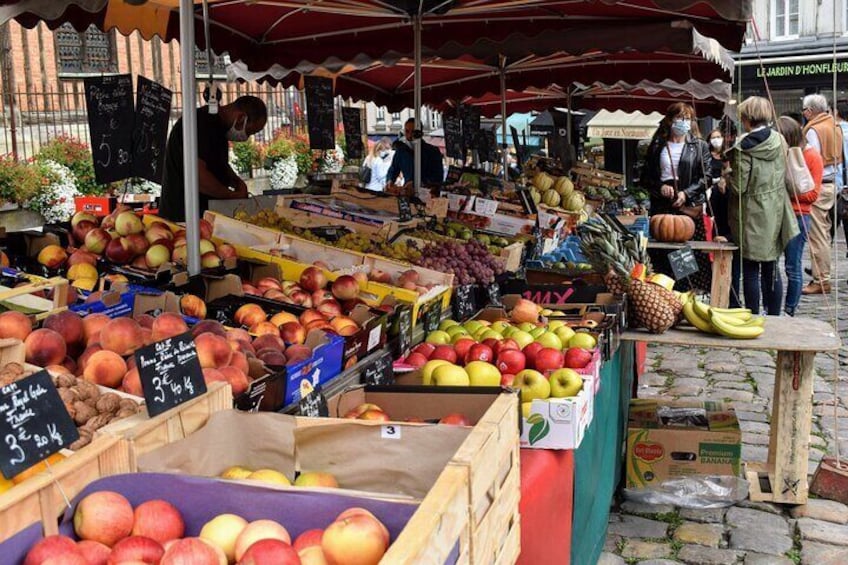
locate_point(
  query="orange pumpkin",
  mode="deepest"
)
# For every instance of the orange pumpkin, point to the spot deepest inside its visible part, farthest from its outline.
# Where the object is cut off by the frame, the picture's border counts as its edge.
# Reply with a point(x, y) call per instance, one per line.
point(672, 228)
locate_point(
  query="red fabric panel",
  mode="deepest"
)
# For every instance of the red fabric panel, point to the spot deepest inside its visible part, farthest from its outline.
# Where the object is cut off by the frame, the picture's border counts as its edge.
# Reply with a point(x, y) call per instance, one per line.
point(641, 355)
point(547, 489)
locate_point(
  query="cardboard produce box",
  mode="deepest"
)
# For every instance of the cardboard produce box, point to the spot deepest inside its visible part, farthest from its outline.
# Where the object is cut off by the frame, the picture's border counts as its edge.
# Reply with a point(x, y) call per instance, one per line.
point(560, 423)
point(673, 439)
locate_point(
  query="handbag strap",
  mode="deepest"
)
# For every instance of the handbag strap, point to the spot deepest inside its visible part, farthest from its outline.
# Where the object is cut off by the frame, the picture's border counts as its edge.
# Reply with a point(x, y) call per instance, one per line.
point(671, 164)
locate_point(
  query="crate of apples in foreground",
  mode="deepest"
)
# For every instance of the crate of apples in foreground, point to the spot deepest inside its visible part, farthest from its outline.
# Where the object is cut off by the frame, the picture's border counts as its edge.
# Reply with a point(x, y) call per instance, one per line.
point(108, 529)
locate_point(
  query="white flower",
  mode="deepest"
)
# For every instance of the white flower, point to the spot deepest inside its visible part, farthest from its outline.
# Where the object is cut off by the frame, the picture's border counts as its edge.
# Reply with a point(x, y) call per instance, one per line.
point(143, 186)
point(284, 173)
point(55, 202)
point(333, 161)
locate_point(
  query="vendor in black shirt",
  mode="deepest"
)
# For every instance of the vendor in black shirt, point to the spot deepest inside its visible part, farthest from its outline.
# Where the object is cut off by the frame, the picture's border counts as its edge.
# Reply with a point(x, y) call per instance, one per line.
point(216, 179)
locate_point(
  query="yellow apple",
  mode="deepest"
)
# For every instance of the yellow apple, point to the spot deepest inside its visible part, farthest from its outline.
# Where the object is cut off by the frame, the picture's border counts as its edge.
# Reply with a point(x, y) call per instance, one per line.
point(554, 325)
point(549, 339)
point(582, 339)
point(564, 333)
point(450, 375)
point(445, 324)
point(522, 338)
point(438, 337)
point(428, 368)
point(565, 383)
point(236, 473)
point(481, 373)
point(222, 532)
point(269, 476)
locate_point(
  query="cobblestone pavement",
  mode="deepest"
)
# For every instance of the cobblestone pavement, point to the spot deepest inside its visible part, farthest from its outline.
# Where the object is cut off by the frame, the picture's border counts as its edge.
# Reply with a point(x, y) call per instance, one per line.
point(748, 533)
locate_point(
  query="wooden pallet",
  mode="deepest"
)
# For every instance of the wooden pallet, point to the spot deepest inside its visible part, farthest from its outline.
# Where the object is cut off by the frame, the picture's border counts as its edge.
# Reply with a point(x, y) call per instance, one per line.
point(42, 498)
point(144, 434)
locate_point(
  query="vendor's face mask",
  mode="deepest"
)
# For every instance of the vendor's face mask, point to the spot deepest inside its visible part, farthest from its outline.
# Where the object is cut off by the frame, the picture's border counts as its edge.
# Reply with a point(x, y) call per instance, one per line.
point(681, 126)
point(716, 142)
point(238, 134)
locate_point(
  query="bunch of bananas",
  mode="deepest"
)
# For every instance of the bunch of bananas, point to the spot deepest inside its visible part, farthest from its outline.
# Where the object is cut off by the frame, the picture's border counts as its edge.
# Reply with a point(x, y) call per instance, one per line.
point(735, 323)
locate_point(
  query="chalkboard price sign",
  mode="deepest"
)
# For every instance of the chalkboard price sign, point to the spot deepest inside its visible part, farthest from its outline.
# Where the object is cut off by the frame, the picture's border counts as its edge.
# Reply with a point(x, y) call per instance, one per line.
point(320, 114)
point(170, 373)
point(454, 147)
point(313, 403)
point(352, 121)
point(487, 146)
point(109, 102)
point(404, 209)
point(470, 125)
point(150, 129)
point(404, 325)
point(494, 293)
point(34, 423)
point(464, 304)
point(454, 175)
point(683, 262)
point(433, 316)
point(380, 372)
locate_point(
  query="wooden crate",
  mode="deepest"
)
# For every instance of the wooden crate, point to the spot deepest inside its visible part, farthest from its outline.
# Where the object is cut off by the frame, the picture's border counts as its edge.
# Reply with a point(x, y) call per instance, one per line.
point(21, 297)
point(144, 434)
point(41, 498)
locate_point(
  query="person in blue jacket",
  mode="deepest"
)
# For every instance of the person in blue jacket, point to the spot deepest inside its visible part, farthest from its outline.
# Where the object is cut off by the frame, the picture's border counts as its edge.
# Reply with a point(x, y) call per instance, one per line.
point(432, 171)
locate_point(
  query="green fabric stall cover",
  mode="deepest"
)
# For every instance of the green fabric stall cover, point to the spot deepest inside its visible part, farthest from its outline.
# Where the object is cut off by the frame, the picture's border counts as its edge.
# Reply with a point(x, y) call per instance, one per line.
point(598, 460)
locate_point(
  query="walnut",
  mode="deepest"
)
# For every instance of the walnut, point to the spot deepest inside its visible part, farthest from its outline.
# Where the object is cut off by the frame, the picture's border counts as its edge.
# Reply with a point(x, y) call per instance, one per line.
point(97, 422)
point(87, 390)
point(65, 380)
point(108, 403)
point(69, 406)
point(84, 439)
point(128, 404)
point(125, 413)
point(68, 395)
point(84, 413)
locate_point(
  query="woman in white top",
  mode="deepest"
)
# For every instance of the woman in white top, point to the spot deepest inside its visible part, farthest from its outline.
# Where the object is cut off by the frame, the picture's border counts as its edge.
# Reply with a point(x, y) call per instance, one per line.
point(379, 160)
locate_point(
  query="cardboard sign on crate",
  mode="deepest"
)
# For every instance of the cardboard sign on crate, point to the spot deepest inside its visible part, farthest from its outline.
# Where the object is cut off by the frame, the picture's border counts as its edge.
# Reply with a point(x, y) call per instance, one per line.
point(34, 423)
point(170, 373)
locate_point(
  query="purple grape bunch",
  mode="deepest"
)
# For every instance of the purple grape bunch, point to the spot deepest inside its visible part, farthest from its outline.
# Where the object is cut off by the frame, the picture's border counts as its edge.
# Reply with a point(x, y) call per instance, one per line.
point(470, 262)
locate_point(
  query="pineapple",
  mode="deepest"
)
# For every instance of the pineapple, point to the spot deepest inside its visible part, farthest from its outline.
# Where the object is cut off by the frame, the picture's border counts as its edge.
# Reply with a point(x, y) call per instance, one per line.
point(652, 306)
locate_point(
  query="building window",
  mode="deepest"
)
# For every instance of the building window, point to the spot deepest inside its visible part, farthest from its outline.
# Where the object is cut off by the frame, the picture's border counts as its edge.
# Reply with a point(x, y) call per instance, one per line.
point(395, 118)
point(381, 115)
point(87, 52)
point(786, 19)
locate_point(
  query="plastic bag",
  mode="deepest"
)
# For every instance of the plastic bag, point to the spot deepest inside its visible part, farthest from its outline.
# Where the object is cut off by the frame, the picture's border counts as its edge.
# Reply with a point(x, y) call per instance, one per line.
point(696, 491)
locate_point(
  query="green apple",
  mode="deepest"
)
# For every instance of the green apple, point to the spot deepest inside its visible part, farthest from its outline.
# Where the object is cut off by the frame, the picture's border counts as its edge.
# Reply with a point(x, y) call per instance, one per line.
point(447, 324)
point(536, 332)
point(451, 375)
point(481, 373)
point(478, 335)
point(565, 333)
point(565, 383)
point(456, 330)
point(499, 327)
point(533, 385)
point(553, 325)
point(428, 368)
point(472, 326)
point(438, 337)
point(526, 327)
point(582, 339)
point(523, 339)
point(525, 409)
point(509, 330)
point(550, 339)
point(491, 334)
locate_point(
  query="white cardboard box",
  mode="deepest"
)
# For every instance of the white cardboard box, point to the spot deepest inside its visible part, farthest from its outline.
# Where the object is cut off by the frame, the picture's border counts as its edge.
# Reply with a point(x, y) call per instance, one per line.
point(559, 423)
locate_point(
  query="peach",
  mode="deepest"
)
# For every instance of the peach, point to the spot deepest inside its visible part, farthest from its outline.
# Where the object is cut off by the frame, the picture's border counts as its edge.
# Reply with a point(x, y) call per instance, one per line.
point(312, 279)
point(237, 334)
point(127, 223)
point(169, 324)
point(144, 320)
point(320, 296)
point(82, 360)
point(357, 511)
point(301, 298)
point(105, 368)
point(120, 252)
point(309, 538)
point(278, 295)
point(206, 229)
point(92, 325)
point(52, 256)
point(265, 283)
point(248, 288)
point(50, 547)
point(206, 246)
point(69, 365)
point(239, 361)
point(138, 243)
point(355, 538)
point(281, 318)
point(345, 288)
point(269, 341)
point(157, 255)
point(81, 256)
point(270, 552)
point(193, 551)
point(318, 325)
point(104, 516)
point(213, 351)
point(67, 324)
point(210, 260)
point(293, 332)
point(121, 335)
point(158, 231)
point(263, 328)
point(147, 336)
point(213, 375)
point(136, 548)
point(330, 308)
point(180, 254)
point(237, 379)
point(312, 556)
point(15, 325)
point(208, 326)
point(131, 383)
point(95, 553)
point(271, 357)
point(96, 241)
point(45, 347)
point(193, 306)
point(316, 479)
point(311, 315)
point(249, 315)
point(225, 251)
point(80, 216)
point(158, 520)
point(298, 353)
point(260, 530)
point(344, 326)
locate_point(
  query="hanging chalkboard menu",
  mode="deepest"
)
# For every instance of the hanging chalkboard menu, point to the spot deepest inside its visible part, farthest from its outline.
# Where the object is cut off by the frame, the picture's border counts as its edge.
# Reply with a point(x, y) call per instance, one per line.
point(464, 304)
point(487, 145)
point(320, 114)
point(150, 129)
point(380, 372)
point(470, 125)
point(170, 373)
point(453, 137)
point(34, 423)
point(109, 102)
point(352, 121)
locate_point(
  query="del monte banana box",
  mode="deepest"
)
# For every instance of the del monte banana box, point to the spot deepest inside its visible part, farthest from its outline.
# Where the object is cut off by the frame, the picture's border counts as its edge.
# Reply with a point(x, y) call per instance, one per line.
point(673, 439)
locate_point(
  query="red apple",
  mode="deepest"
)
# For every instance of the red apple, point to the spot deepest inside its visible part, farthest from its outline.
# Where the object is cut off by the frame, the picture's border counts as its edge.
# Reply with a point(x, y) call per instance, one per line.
point(136, 548)
point(103, 516)
point(95, 553)
point(270, 552)
point(322, 295)
point(530, 354)
point(81, 230)
point(158, 520)
point(462, 346)
point(511, 361)
point(308, 538)
point(509, 344)
point(507, 379)
point(425, 349)
point(416, 360)
point(49, 548)
point(356, 538)
point(445, 352)
point(548, 359)
point(577, 357)
point(119, 251)
point(479, 352)
point(345, 288)
point(493, 344)
point(312, 279)
point(193, 551)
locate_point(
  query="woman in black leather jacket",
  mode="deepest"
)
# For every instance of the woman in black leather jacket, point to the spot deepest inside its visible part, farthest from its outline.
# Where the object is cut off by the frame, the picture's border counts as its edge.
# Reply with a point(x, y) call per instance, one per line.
point(676, 175)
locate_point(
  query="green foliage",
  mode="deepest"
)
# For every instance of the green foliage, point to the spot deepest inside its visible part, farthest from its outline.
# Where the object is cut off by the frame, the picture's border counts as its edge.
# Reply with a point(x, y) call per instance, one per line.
point(76, 155)
point(20, 182)
point(248, 155)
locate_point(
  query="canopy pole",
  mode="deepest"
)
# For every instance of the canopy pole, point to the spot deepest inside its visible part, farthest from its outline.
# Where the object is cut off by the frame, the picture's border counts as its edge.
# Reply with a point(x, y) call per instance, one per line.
point(187, 79)
point(416, 25)
point(504, 150)
point(568, 123)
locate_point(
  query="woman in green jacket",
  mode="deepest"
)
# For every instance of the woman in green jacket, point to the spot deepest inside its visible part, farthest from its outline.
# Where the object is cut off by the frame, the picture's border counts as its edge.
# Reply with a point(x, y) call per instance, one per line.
point(759, 210)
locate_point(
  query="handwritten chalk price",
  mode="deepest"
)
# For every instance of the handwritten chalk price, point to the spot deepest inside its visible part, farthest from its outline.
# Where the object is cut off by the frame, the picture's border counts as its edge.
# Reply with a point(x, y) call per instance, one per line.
point(170, 373)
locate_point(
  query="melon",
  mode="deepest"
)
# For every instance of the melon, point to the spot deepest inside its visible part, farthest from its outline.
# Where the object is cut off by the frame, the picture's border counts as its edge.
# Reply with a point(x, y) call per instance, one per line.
point(574, 202)
point(543, 181)
point(564, 186)
point(551, 198)
point(536, 196)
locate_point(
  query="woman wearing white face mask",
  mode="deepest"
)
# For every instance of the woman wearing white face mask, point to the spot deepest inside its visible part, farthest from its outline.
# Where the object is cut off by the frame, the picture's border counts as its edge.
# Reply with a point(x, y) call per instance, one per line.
point(379, 160)
point(676, 175)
